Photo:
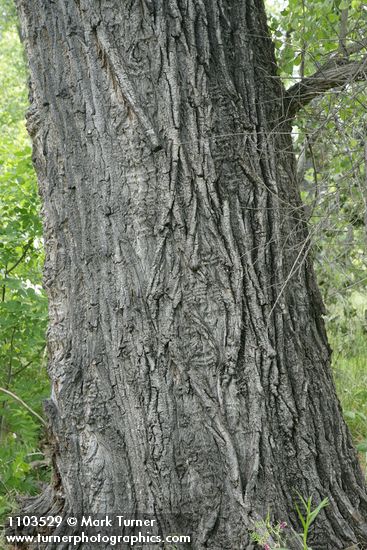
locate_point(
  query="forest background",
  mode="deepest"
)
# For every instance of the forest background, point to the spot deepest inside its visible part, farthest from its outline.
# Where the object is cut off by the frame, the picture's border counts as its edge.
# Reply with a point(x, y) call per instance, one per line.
point(330, 138)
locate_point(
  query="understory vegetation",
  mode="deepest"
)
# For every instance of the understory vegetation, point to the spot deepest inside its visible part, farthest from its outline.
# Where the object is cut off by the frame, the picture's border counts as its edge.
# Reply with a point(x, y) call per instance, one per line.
point(330, 139)
point(23, 306)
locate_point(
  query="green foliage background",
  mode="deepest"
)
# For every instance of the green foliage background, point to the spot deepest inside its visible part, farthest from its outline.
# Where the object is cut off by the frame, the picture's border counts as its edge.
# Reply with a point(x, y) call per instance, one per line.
point(330, 139)
point(23, 306)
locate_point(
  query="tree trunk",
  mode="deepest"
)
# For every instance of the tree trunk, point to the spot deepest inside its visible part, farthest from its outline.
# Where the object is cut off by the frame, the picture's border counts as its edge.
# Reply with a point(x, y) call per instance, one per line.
point(187, 351)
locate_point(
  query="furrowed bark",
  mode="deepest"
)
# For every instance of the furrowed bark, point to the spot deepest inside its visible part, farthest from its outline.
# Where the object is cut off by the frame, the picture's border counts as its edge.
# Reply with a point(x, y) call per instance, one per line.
point(189, 362)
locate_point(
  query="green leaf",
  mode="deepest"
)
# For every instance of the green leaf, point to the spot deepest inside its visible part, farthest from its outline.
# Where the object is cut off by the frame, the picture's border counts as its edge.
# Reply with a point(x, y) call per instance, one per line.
point(313, 515)
point(300, 515)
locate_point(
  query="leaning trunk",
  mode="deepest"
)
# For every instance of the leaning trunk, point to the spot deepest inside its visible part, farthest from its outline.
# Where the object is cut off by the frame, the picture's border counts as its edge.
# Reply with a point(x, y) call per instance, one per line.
point(188, 357)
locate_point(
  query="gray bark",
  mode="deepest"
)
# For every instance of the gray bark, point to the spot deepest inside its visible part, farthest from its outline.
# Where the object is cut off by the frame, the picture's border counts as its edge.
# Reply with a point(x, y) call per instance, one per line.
point(188, 357)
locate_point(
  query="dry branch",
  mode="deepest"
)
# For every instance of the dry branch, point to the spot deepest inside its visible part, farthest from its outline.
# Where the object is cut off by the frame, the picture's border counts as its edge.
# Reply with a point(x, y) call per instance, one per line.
point(337, 72)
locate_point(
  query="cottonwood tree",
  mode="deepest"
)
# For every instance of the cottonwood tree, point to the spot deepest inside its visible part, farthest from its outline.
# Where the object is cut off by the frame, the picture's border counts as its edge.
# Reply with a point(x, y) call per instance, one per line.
point(189, 362)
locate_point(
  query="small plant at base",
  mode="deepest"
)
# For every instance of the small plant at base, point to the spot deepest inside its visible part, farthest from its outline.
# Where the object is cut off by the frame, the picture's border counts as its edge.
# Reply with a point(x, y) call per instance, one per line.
point(271, 537)
point(308, 517)
point(265, 532)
